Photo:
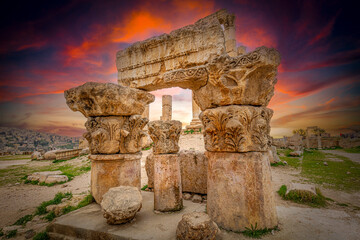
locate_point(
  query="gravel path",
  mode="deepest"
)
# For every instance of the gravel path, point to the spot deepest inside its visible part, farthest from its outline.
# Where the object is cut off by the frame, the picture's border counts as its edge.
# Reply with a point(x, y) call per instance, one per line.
point(5, 164)
point(355, 157)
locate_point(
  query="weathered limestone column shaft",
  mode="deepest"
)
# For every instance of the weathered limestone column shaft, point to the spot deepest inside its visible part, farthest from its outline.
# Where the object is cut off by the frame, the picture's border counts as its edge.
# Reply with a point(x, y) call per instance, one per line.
point(239, 176)
point(166, 108)
point(195, 109)
point(167, 183)
point(167, 176)
point(114, 170)
point(239, 191)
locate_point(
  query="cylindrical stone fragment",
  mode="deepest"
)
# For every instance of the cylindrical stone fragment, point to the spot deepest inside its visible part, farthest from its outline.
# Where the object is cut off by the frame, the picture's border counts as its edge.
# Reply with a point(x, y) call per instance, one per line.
point(167, 183)
point(239, 190)
point(108, 171)
point(166, 107)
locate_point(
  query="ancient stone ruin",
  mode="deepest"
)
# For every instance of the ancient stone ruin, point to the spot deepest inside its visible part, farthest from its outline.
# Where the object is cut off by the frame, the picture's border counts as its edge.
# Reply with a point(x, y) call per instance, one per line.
point(230, 86)
point(114, 130)
point(167, 177)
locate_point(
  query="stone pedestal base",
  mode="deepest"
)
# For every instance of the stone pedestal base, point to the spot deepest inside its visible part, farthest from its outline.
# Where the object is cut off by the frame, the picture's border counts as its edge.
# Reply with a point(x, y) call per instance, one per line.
point(195, 125)
point(239, 190)
point(167, 183)
point(108, 171)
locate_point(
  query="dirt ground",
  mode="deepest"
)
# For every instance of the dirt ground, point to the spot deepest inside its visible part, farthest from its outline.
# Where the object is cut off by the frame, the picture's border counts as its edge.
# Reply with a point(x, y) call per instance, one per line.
point(20, 199)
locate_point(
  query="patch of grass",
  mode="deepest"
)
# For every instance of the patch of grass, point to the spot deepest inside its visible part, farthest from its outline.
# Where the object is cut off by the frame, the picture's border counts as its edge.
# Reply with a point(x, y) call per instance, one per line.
point(342, 204)
point(1, 232)
point(59, 161)
point(86, 201)
point(303, 197)
point(14, 157)
point(40, 210)
point(254, 232)
point(282, 191)
point(23, 220)
point(43, 183)
point(144, 187)
point(277, 164)
point(14, 173)
point(41, 236)
point(353, 150)
point(11, 234)
point(147, 148)
point(50, 216)
point(335, 175)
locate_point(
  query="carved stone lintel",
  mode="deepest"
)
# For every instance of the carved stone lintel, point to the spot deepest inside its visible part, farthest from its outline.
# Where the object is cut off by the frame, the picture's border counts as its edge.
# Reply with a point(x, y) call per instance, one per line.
point(165, 135)
point(111, 135)
point(236, 128)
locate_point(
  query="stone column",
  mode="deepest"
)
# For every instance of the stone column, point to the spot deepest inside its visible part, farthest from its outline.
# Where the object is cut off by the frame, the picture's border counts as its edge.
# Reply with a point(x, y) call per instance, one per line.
point(114, 128)
point(236, 134)
point(167, 176)
point(114, 170)
point(195, 123)
point(166, 108)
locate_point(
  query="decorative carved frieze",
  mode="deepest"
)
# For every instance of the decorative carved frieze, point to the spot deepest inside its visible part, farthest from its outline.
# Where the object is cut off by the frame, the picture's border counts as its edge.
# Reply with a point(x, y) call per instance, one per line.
point(236, 128)
point(115, 134)
point(165, 135)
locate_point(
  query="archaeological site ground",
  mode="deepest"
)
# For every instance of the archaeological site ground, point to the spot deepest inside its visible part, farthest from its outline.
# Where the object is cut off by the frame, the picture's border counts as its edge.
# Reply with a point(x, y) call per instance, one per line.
point(220, 177)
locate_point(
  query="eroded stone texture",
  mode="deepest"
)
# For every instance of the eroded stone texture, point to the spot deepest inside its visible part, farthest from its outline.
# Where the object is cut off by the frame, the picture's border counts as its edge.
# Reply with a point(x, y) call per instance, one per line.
point(149, 64)
point(120, 204)
point(165, 135)
point(244, 80)
point(240, 192)
point(108, 171)
point(196, 225)
point(167, 183)
point(107, 99)
point(237, 128)
point(193, 166)
point(149, 167)
point(111, 135)
point(193, 170)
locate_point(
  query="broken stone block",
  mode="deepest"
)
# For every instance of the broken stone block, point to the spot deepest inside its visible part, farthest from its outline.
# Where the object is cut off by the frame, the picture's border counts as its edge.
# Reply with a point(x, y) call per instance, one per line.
point(247, 79)
point(240, 192)
point(108, 171)
point(196, 198)
point(193, 166)
point(56, 179)
point(149, 167)
point(296, 153)
point(120, 204)
point(237, 128)
point(107, 99)
point(299, 187)
point(196, 225)
point(115, 134)
point(42, 176)
point(274, 158)
point(36, 156)
point(167, 183)
point(50, 155)
point(165, 135)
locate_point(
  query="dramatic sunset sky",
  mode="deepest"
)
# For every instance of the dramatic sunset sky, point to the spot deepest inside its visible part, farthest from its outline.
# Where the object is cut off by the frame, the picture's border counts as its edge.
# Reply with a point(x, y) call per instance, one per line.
point(50, 46)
